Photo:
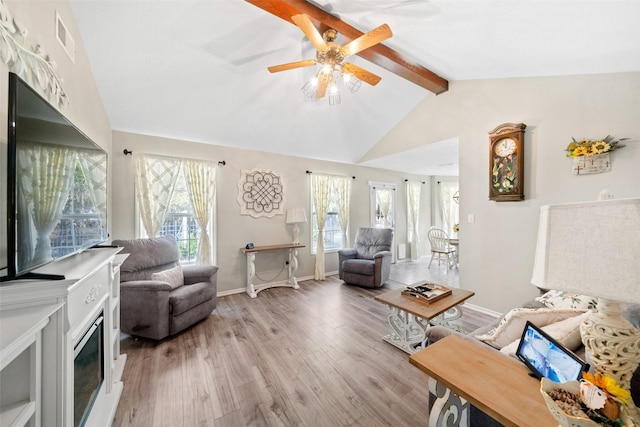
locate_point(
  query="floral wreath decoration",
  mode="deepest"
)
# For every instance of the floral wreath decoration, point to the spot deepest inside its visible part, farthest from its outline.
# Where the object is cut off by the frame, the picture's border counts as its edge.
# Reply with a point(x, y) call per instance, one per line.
point(591, 147)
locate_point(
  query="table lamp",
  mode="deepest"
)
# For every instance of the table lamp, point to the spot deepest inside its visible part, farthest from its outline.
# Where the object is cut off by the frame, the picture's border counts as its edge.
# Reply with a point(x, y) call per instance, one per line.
point(296, 216)
point(593, 248)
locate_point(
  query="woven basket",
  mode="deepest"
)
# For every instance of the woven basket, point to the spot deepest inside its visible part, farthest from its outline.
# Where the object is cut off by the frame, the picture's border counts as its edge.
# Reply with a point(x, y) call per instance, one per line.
point(565, 419)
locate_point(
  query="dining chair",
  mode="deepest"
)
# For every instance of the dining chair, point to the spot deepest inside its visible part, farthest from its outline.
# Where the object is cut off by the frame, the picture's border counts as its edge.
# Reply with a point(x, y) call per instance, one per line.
point(440, 246)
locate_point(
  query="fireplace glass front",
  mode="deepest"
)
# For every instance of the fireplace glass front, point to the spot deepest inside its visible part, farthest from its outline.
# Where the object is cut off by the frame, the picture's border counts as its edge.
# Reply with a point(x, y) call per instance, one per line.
point(88, 371)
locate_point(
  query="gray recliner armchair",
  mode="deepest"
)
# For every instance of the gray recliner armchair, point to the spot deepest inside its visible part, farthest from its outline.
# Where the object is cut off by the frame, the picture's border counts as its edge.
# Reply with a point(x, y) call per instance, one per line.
point(159, 297)
point(368, 263)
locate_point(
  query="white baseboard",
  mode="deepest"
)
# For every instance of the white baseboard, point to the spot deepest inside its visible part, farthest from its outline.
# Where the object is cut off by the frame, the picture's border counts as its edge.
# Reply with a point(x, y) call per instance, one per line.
point(244, 289)
point(483, 310)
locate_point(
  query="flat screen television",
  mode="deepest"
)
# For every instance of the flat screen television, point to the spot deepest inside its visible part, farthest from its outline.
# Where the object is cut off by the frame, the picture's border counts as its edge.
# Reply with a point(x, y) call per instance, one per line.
point(56, 185)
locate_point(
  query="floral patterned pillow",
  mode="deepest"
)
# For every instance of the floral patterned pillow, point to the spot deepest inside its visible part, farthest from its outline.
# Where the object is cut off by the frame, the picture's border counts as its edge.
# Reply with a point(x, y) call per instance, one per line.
point(560, 299)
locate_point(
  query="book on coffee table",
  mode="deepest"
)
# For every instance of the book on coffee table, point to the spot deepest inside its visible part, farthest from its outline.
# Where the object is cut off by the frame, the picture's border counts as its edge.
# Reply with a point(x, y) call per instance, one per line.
point(426, 291)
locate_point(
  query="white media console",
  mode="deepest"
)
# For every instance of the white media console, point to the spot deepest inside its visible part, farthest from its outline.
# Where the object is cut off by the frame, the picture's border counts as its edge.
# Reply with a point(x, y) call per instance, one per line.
point(42, 322)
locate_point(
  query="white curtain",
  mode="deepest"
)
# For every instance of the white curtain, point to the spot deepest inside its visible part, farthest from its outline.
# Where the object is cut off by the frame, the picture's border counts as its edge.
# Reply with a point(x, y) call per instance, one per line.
point(448, 208)
point(94, 166)
point(155, 181)
point(201, 183)
point(343, 191)
point(321, 191)
point(47, 174)
point(384, 196)
point(413, 210)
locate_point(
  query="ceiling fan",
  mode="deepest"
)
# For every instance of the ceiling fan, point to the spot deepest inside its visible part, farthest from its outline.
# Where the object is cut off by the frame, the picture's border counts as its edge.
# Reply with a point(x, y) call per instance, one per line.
point(331, 56)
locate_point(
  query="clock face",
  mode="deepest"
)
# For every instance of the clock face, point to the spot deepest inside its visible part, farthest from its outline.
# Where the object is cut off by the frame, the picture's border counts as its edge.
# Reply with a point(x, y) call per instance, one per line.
point(505, 147)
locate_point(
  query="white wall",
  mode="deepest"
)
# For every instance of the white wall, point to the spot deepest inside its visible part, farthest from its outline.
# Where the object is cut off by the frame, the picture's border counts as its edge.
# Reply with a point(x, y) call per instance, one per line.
point(496, 252)
point(85, 108)
point(234, 230)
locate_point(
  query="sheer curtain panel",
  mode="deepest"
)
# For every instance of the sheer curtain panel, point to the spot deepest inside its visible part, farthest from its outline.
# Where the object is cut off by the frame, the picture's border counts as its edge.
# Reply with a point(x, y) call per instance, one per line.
point(343, 191)
point(47, 176)
point(413, 211)
point(321, 190)
point(201, 182)
point(95, 171)
point(448, 208)
point(155, 180)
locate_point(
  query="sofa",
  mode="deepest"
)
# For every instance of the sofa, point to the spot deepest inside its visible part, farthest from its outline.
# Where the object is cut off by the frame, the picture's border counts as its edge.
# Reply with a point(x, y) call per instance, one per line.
point(558, 313)
point(159, 297)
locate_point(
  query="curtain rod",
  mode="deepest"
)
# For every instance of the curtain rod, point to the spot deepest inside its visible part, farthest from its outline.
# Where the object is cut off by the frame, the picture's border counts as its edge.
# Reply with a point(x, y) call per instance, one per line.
point(421, 182)
point(127, 152)
point(309, 172)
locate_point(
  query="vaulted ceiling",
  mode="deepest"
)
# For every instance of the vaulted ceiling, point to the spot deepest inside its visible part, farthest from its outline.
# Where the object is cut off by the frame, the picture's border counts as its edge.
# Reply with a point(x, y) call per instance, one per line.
point(197, 70)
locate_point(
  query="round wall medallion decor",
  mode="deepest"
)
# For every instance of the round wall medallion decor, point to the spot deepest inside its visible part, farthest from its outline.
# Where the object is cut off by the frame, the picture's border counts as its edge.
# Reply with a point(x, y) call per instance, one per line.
point(260, 193)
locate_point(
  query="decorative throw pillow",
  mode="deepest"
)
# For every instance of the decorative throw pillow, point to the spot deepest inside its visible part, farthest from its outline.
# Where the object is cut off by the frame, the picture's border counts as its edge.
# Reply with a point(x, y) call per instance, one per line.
point(512, 324)
point(560, 299)
point(174, 276)
point(566, 332)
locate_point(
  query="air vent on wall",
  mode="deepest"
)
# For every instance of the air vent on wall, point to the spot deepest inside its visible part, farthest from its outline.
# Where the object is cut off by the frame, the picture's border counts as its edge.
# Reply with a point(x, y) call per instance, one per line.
point(65, 39)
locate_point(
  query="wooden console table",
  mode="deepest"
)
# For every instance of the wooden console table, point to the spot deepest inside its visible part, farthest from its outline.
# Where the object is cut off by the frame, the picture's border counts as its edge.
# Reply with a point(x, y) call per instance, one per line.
point(463, 372)
point(292, 282)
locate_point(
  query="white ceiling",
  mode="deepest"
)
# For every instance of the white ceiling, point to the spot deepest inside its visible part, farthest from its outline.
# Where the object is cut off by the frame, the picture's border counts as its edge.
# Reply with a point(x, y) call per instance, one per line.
point(197, 70)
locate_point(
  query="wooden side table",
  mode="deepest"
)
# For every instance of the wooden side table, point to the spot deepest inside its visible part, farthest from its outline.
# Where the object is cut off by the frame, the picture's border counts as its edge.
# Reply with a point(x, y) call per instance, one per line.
point(292, 282)
point(464, 372)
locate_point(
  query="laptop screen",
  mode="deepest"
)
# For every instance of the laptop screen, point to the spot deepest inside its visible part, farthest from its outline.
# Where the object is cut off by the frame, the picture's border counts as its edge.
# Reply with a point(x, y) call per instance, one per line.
point(545, 357)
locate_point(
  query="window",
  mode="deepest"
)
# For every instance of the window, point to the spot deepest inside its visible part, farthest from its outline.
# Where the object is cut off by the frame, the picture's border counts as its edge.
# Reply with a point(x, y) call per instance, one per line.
point(332, 232)
point(80, 219)
point(335, 228)
point(181, 223)
point(176, 197)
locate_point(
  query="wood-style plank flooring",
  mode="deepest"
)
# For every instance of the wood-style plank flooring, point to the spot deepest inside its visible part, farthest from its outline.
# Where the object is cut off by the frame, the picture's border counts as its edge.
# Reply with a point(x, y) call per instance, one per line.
point(307, 357)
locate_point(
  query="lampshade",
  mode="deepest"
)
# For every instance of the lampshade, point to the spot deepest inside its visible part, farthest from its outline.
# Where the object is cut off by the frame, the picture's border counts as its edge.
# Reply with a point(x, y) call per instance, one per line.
point(296, 216)
point(590, 248)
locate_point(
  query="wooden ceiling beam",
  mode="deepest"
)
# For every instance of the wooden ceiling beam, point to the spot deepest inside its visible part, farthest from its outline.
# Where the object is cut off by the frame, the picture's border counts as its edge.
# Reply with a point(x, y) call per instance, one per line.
point(379, 54)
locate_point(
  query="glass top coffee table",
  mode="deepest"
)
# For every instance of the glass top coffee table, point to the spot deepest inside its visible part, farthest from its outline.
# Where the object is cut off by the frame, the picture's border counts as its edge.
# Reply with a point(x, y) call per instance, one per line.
point(409, 317)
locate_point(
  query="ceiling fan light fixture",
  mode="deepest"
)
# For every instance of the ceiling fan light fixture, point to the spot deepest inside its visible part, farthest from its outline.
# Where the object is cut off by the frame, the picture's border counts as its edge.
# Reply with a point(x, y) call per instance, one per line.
point(330, 55)
point(351, 82)
point(309, 88)
point(334, 94)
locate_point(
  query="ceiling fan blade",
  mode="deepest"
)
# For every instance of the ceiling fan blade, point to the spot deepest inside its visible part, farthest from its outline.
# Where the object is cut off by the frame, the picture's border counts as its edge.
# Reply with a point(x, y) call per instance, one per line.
point(291, 65)
point(304, 22)
point(361, 73)
point(367, 40)
point(322, 88)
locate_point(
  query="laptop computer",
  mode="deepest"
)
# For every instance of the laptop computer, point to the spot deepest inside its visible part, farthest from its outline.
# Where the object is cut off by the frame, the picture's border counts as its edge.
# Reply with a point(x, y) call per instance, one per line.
point(545, 357)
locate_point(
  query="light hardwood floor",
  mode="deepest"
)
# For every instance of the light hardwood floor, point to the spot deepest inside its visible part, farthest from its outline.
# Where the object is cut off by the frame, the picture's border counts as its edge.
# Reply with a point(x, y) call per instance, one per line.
point(307, 357)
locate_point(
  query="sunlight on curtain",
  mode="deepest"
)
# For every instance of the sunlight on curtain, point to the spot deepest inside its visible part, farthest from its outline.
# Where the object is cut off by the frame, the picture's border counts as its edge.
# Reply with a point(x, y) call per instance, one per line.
point(343, 190)
point(155, 180)
point(321, 190)
point(94, 167)
point(201, 182)
point(413, 210)
point(384, 196)
point(47, 174)
point(448, 208)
